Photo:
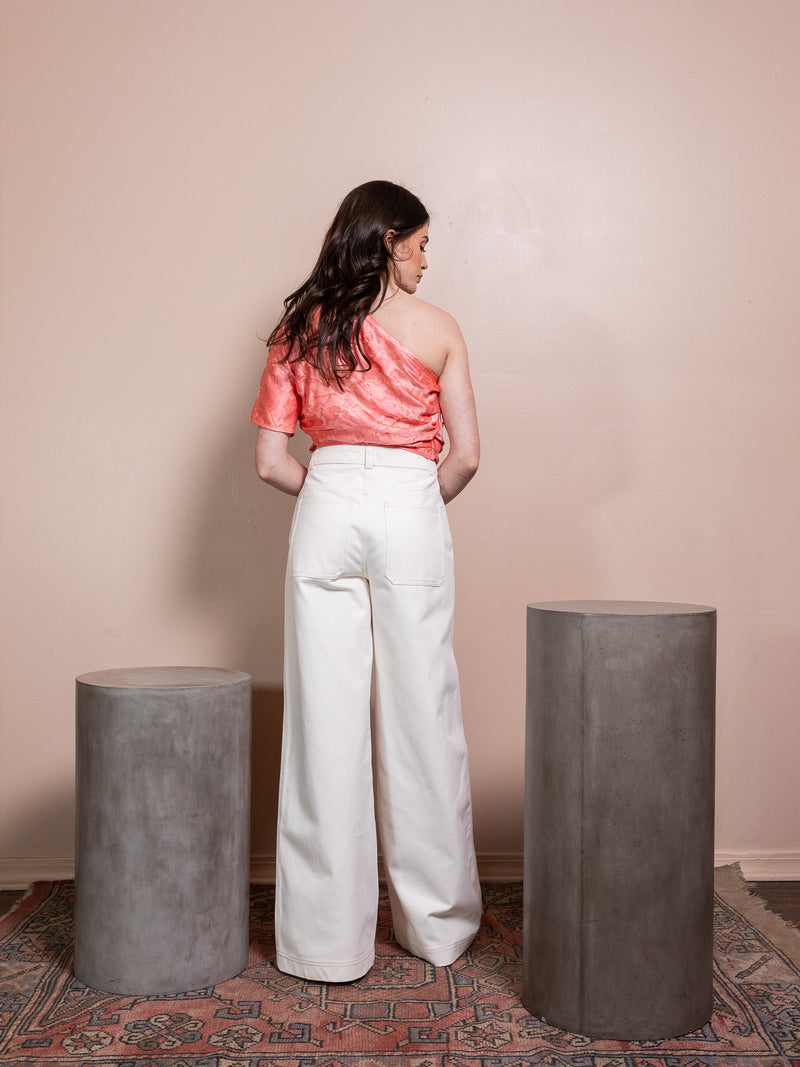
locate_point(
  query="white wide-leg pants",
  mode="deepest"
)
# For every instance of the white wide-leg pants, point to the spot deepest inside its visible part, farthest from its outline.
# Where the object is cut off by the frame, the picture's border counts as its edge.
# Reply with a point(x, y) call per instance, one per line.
point(370, 581)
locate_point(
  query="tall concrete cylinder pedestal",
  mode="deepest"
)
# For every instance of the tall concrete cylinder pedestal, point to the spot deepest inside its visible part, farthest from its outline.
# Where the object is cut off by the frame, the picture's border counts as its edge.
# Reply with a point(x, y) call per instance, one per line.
point(162, 828)
point(619, 817)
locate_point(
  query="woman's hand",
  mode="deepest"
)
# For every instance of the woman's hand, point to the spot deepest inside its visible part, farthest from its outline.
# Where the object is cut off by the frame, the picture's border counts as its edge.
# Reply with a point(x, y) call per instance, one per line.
point(274, 465)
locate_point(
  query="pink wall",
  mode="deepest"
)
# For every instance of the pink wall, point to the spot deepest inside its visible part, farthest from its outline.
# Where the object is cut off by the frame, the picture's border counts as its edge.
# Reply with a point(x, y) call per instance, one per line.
point(614, 189)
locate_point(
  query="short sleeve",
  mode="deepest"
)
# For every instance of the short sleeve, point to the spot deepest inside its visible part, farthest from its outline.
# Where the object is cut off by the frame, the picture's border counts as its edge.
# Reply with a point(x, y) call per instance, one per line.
point(277, 405)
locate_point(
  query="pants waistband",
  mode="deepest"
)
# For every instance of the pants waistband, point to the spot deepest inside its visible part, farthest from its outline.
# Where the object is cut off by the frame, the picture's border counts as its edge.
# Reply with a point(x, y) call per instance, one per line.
point(369, 456)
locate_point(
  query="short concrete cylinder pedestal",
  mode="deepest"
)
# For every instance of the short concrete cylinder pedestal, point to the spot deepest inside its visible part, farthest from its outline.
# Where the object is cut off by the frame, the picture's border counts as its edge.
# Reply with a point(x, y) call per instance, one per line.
point(619, 817)
point(162, 828)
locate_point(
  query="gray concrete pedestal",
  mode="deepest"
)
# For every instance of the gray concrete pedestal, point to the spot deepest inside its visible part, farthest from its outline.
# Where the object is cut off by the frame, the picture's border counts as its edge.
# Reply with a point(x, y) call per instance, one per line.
point(162, 828)
point(619, 817)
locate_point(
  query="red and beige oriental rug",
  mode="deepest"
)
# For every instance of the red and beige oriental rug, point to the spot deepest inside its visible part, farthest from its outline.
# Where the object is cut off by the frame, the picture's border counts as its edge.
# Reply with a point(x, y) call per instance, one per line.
point(405, 1013)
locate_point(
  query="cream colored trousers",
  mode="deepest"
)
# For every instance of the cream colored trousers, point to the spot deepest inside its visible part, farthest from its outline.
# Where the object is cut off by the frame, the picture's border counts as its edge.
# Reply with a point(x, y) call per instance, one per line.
point(370, 582)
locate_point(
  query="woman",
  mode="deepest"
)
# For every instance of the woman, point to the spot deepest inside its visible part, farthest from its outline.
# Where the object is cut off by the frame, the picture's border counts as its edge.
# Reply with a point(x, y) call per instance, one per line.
point(370, 371)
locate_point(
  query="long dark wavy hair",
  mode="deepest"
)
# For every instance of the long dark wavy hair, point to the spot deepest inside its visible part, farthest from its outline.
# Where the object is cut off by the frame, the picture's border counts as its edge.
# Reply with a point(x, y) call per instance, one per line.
point(321, 322)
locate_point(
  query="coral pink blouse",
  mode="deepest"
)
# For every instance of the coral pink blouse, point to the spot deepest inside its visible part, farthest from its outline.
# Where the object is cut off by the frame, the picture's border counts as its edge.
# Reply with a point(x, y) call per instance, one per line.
point(394, 404)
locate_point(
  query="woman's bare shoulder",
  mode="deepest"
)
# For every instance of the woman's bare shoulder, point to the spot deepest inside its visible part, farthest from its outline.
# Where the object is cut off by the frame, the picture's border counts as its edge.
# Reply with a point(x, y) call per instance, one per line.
point(434, 327)
point(430, 314)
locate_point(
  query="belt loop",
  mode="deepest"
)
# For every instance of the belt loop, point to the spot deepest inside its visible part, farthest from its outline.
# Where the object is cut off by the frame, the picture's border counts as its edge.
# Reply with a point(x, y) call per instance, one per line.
point(369, 457)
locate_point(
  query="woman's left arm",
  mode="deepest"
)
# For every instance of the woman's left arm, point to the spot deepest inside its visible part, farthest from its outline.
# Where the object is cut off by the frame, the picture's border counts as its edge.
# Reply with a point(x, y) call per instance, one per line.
point(457, 402)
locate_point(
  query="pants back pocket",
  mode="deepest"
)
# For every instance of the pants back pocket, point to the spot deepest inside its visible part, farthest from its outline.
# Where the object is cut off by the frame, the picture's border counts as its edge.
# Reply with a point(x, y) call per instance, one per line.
point(318, 541)
point(415, 543)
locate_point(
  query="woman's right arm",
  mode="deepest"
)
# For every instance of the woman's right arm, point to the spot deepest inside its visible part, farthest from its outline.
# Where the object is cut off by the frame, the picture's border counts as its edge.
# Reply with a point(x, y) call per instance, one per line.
point(274, 465)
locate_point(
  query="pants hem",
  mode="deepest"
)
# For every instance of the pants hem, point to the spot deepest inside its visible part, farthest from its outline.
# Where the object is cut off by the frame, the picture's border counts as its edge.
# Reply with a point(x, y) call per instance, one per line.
point(314, 971)
point(441, 957)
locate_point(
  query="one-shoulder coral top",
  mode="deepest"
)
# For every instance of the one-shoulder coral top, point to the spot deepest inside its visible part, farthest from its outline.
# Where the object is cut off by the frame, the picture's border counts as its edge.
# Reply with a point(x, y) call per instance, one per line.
point(394, 404)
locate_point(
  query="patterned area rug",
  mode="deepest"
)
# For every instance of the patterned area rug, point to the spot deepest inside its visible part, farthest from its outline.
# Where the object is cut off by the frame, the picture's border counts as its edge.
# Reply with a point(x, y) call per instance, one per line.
point(405, 1013)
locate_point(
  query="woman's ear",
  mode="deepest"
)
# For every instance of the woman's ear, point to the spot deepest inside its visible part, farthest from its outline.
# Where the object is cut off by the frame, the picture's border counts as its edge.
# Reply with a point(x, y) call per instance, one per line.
point(389, 239)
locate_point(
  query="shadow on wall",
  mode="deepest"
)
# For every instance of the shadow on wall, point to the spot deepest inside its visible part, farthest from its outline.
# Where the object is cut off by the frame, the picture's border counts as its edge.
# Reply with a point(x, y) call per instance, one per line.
point(265, 765)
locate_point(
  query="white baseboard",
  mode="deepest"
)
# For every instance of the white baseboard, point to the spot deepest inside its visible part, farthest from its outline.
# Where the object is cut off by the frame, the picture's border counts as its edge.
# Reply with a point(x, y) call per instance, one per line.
point(500, 866)
point(19, 873)
point(763, 866)
point(262, 869)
